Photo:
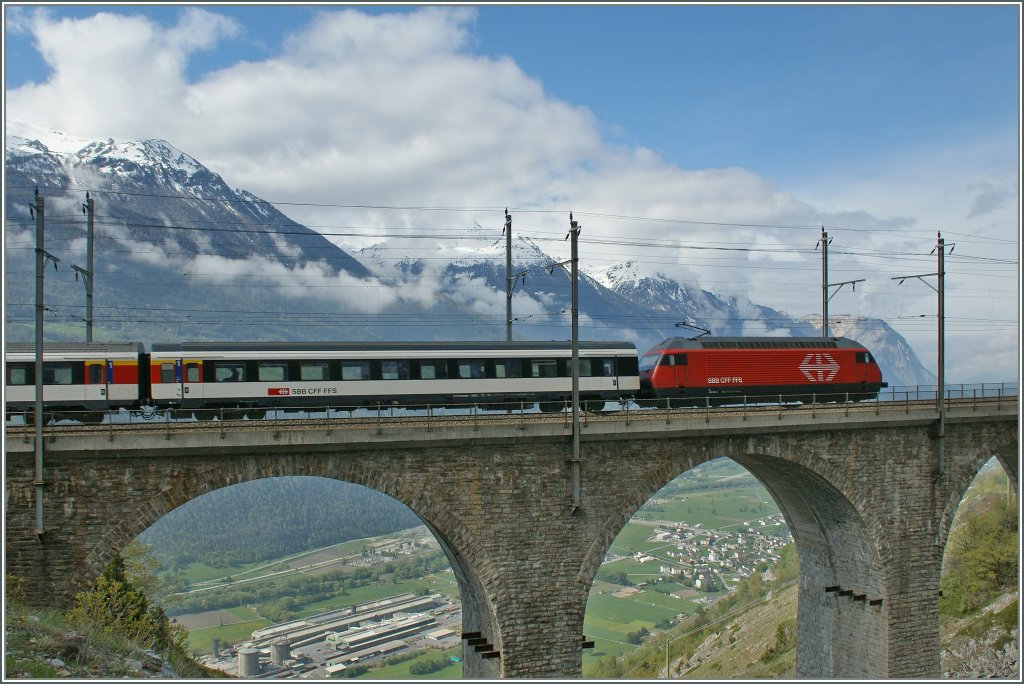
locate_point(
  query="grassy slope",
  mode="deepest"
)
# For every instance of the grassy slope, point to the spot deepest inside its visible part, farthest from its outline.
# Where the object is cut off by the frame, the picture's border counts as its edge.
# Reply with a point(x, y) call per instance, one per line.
point(42, 643)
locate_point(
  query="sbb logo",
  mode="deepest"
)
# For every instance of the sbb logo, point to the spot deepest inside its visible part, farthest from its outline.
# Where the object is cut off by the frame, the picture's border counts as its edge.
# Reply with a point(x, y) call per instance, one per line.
point(278, 391)
point(819, 367)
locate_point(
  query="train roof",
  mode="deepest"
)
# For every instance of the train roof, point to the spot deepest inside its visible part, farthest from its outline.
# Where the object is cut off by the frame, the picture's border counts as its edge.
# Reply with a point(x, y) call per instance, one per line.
point(757, 343)
point(84, 348)
point(188, 347)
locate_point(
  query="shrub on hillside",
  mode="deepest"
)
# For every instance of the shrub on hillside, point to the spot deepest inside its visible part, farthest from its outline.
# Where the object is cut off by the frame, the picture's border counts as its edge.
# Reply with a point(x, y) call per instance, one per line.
point(115, 606)
point(981, 557)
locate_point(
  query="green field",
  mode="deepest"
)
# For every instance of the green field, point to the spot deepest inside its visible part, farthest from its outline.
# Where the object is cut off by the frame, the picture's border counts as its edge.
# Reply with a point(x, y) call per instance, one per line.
point(200, 572)
point(631, 614)
point(244, 612)
point(201, 640)
point(401, 670)
point(604, 647)
point(372, 592)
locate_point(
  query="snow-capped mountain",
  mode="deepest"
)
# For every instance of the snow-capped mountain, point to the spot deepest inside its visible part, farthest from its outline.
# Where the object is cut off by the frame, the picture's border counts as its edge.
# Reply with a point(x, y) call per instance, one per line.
point(723, 317)
point(182, 255)
point(159, 195)
point(179, 253)
point(471, 271)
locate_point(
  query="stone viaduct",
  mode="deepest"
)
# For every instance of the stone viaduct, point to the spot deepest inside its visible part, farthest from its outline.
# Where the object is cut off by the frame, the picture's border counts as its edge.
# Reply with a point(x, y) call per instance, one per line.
point(858, 486)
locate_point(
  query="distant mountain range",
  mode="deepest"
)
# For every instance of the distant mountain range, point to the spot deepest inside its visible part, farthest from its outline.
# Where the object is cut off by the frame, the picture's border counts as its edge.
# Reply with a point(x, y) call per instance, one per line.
point(181, 255)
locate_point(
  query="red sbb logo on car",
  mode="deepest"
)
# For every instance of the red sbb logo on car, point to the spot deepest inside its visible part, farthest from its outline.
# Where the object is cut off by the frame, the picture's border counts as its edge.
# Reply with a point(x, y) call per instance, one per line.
point(278, 391)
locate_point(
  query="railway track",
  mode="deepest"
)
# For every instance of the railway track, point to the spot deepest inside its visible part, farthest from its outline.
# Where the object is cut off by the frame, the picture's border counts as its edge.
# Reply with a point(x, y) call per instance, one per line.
point(435, 417)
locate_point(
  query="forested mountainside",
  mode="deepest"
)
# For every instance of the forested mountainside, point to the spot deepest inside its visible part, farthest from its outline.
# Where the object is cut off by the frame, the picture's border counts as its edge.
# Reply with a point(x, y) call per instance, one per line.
point(271, 518)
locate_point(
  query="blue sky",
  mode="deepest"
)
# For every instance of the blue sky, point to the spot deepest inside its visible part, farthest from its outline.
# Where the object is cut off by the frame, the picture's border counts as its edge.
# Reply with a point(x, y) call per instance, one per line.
point(776, 89)
point(884, 123)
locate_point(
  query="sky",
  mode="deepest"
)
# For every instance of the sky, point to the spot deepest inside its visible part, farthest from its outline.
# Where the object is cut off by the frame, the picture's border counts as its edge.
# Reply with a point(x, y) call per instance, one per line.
point(674, 127)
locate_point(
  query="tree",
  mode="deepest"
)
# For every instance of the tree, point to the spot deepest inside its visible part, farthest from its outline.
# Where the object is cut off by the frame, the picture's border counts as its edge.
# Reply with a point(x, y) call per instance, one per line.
point(114, 605)
point(609, 667)
point(141, 569)
point(981, 556)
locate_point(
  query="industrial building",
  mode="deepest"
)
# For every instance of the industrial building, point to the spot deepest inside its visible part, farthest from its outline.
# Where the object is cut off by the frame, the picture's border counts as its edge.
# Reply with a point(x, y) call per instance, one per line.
point(335, 640)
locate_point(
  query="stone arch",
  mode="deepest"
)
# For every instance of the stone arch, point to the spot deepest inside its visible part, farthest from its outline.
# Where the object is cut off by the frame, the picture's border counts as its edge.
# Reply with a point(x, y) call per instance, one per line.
point(627, 503)
point(968, 460)
point(379, 475)
point(839, 545)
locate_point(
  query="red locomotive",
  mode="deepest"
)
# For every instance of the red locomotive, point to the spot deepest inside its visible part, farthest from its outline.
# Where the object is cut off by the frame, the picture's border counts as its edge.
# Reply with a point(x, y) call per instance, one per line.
point(728, 369)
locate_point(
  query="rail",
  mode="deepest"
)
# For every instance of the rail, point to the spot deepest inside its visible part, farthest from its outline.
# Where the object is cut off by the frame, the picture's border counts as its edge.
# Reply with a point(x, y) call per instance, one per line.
point(430, 417)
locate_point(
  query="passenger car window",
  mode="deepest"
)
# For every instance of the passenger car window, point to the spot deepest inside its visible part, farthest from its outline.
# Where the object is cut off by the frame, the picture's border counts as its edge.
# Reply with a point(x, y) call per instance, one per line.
point(17, 375)
point(57, 374)
point(95, 374)
point(432, 370)
point(230, 372)
point(313, 370)
point(355, 370)
point(271, 371)
point(543, 368)
point(508, 368)
point(167, 372)
point(471, 368)
point(394, 370)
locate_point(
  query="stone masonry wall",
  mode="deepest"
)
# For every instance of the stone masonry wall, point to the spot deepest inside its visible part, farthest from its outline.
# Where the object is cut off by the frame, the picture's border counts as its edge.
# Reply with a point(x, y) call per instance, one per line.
point(866, 510)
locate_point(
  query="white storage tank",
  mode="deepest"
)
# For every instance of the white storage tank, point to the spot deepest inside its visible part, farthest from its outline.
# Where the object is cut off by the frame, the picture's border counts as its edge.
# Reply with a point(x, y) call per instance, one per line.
point(280, 651)
point(248, 662)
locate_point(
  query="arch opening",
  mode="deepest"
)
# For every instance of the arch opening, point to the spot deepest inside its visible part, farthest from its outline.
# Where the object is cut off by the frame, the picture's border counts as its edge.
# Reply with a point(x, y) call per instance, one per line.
point(321, 576)
point(709, 544)
point(979, 580)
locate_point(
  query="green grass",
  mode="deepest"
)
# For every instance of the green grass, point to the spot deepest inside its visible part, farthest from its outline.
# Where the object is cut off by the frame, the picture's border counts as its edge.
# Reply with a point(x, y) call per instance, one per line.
point(36, 670)
point(633, 538)
point(720, 508)
point(244, 612)
point(659, 599)
point(201, 572)
point(401, 670)
point(601, 628)
point(1006, 619)
point(603, 648)
point(370, 592)
point(629, 613)
point(201, 640)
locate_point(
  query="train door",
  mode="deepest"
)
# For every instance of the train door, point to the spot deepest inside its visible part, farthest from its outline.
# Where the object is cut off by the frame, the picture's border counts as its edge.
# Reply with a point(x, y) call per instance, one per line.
point(191, 371)
point(863, 365)
point(677, 364)
point(99, 373)
point(170, 379)
point(605, 369)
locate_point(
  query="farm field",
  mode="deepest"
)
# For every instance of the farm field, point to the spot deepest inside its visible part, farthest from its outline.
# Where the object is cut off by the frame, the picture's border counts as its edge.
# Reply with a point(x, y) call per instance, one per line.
point(201, 640)
point(401, 671)
point(200, 574)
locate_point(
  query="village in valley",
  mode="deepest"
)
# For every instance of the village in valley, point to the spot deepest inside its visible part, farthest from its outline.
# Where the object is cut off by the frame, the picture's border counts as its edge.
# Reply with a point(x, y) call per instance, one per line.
point(712, 560)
